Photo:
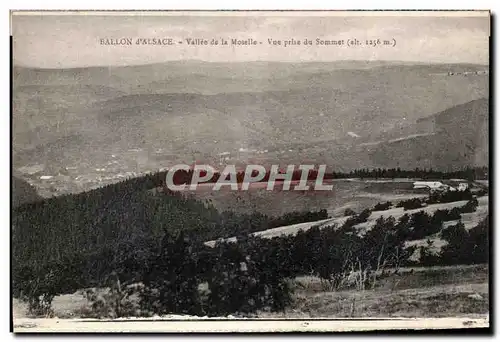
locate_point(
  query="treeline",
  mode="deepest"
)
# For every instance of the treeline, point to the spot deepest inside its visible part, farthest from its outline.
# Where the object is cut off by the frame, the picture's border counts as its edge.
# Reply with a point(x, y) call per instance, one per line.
point(469, 173)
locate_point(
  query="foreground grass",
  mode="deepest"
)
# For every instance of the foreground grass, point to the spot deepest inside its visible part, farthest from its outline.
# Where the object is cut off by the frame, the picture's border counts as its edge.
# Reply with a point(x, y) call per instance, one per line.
point(450, 291)
point(419, 292)
point(436, 301)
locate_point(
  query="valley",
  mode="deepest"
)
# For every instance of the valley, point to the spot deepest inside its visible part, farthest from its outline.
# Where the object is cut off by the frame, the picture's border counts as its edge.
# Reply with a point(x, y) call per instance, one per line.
point(346, 114)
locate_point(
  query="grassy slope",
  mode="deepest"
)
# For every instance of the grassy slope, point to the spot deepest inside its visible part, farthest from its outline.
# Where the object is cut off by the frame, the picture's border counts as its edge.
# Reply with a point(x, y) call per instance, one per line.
point(425, 292)
point(470, 220)
point(355, 194)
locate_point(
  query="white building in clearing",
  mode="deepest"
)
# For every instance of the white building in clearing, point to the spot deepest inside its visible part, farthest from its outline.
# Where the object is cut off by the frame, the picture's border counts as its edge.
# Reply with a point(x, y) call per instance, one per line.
point(431, 185)
point(435, 185)
point(224, 157)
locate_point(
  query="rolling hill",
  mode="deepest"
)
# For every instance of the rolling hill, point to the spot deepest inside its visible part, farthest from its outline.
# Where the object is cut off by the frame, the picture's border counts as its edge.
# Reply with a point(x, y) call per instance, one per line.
point(347, 114)
point(455, 137)
point(23, 192)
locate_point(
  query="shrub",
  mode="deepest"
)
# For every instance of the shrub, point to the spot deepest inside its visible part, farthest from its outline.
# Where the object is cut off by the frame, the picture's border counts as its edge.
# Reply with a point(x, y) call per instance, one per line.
point(455, 214)
point(423, 226)
point(382, 206)
point(248, 277)
point(113, 302)
point(427, 257)
point(413, 203)
point(349, 212)
point(449, 196)
point(38, 283)
point(444, 215)
point(470, 206)
point(171, 279)
point(466, 247)
point(357, 219)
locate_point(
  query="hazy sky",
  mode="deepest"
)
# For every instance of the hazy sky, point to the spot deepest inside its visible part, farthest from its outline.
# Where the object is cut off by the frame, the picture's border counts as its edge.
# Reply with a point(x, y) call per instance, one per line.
point(73, 40)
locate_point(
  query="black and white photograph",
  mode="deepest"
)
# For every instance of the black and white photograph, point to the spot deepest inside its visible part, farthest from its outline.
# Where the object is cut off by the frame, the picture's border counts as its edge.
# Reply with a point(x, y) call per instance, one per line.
point(249, 171)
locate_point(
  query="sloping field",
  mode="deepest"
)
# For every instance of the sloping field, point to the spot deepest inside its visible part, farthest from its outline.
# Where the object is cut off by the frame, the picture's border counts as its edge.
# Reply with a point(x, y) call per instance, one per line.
point(291, 229)
point(355, 194)
point(470, 220)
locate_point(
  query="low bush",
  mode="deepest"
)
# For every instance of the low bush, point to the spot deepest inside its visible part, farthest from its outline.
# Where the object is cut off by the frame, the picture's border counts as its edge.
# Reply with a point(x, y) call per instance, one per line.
point(465, 246)
point(113, 302)
point(413, 203)
point(470, 206)
point(349, 212)
point(449, 196)
point(382, 206)
point(423, 225)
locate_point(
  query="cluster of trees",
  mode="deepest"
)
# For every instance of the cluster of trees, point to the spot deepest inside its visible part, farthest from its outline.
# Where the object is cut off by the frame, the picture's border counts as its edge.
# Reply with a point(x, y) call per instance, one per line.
point(420, 224)
point(298, 217)
point(238, 278)
point(469, 173)
point(466, 246)
point(357, 218)
point(382, 206)
point(434, 198)
point(449, 196)
point(253, 274)
point(463, 246)
point(412, 203)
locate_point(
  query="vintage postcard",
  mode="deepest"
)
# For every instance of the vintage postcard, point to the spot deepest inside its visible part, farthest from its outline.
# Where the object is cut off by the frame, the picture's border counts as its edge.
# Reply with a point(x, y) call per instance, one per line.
point(250, 171)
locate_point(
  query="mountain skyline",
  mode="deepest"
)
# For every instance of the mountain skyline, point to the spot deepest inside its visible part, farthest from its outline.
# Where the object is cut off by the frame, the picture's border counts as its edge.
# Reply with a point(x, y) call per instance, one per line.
point(184, 61)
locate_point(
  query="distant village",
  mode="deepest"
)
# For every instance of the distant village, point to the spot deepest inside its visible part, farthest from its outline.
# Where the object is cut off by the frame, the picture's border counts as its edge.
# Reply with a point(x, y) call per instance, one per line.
point(78, 177)
point(82, 176)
